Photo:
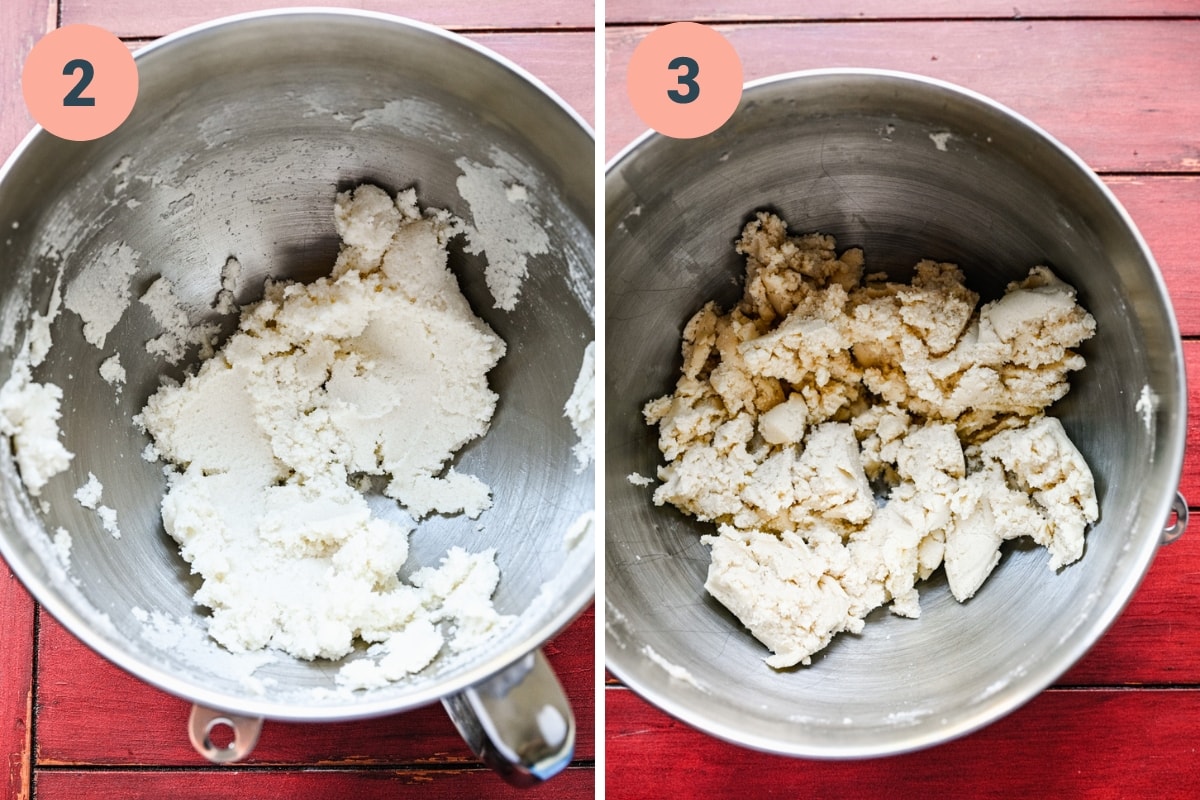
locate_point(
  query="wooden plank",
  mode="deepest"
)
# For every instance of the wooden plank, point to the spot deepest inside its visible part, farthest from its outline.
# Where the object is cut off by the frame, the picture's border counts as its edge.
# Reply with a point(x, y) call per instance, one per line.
point(1118, 92)
point(575, 783)
point(1064, 743)
point(563, 61)
point(634, 11)
point(1155, 639)
point(92, 713)
point(1165, 208)
point(142, 18)
point(1190, 480)
point(16, 683)
point(21, 25)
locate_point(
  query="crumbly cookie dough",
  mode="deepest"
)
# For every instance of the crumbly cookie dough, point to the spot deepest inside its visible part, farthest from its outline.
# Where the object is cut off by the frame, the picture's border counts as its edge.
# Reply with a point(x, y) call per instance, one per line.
point(849, 435)
point(380, 370)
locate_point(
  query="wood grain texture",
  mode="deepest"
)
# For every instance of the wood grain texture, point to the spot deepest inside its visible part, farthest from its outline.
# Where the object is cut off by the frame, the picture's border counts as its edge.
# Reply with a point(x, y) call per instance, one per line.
point(142, 18)
point(1112, 743)
point(427, 784)
point(21, 25)
point(16, 683)
point(1121, 93)
point(1165, 209)
point(563, 61)
point(1154, 640)
point(1189, 483)
point(627, 11)
point(89, 712)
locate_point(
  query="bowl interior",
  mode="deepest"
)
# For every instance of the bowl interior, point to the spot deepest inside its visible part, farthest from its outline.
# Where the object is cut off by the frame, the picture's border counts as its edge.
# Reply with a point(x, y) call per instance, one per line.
point(243, 133)
point(907, 169)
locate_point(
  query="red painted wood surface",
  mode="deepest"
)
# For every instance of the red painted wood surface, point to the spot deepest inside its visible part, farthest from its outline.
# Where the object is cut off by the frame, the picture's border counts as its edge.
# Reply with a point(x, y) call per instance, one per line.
point(317, 784)
point(21, 24)
point(1165, 209)
point(1121, 93)
point(100, 733)
point(564, 62)
point(1115, 82)
point(626, 11)
point(1063, 744)
point(92, 713)
point(16, 683)
point(155, 17)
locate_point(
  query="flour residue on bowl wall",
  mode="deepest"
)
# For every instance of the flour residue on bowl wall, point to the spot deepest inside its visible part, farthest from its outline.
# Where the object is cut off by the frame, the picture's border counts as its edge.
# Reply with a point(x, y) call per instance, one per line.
point(504, 226)
point(89, 496)
point(580, 408)
point(675, 671)
point(1146, 407)
point(940, 139)
point(100, 293)
point(179, 332)
point(183, 638)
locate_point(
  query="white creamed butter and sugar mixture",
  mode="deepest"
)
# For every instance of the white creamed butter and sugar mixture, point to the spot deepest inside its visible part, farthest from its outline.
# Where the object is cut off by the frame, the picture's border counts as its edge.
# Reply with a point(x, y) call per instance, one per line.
point(379, 370)
point(849, 435)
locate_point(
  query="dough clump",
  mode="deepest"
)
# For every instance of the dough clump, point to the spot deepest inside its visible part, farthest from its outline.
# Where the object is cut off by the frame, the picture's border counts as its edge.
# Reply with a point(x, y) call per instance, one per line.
point(379, 371)
point(849, 435)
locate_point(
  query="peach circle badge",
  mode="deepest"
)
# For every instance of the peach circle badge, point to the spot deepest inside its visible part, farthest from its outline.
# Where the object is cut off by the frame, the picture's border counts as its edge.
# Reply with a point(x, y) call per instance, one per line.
point(685, 80)
point(80, 82)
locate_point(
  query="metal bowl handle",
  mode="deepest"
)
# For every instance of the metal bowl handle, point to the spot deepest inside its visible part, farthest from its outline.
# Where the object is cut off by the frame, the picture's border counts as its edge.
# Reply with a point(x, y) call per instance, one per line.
point(1179, 508)
point(245, 734)
point(518, 721)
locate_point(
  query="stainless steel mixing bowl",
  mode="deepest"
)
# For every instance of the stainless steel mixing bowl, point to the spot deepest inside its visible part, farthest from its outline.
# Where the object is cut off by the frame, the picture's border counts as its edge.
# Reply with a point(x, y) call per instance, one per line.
point(906, 168)
point(243, 132)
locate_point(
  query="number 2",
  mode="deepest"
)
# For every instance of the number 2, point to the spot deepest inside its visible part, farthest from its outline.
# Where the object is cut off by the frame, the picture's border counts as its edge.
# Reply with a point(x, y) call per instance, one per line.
point(687, 79)
point(73, 97)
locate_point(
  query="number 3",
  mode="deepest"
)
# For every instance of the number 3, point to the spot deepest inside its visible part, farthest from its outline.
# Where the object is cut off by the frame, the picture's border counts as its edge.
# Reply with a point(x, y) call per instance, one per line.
point(73, 97)
point(687, 79)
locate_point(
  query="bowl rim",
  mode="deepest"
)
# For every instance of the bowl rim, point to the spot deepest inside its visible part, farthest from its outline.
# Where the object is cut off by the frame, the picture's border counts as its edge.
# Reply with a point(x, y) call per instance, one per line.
point(622, 658)
point(249, 704)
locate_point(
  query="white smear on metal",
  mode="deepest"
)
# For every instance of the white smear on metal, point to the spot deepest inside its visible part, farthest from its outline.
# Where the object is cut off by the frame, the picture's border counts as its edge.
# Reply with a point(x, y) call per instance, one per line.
point(178, 331)
point(1147, 404)
point(615, 624)
point(908, 718)
point(62, 547)
point(504, 227)
point(409, 115)
point(940, 139)
point(581, 530)
point(1145, 407)
point(674, 670)
point(99, 294)
point(183, 640)
point(580, 409)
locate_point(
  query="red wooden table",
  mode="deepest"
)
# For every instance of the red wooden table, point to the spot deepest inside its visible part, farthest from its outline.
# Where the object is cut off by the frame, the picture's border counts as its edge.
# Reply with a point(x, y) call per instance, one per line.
point(1119, 83)
point(72, 725)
